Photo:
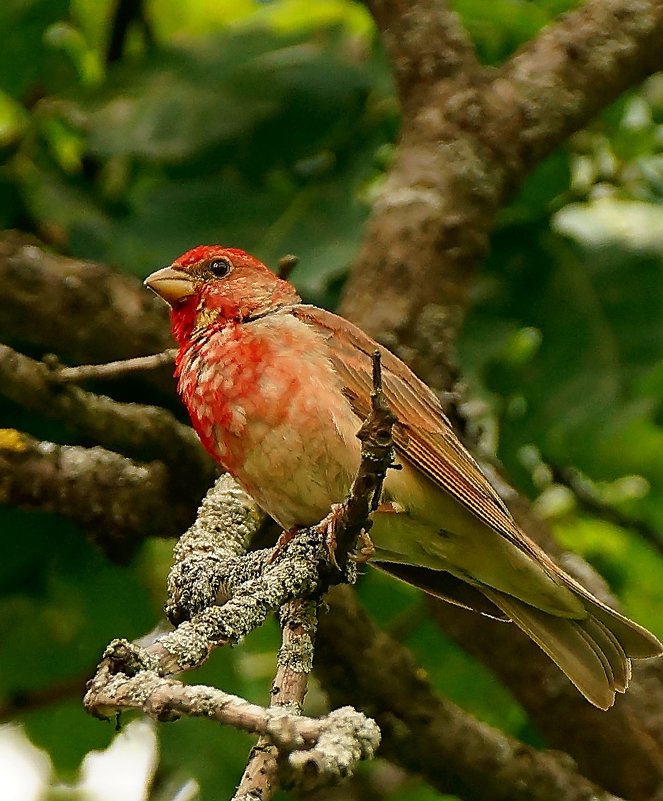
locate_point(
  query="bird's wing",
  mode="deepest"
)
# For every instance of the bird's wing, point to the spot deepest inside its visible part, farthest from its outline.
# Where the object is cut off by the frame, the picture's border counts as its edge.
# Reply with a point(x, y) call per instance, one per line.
point(423, 434)
point(592, 647)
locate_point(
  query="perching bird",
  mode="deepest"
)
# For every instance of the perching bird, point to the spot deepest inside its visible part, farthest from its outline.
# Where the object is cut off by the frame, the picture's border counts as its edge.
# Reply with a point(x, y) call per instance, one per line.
point(277, 391)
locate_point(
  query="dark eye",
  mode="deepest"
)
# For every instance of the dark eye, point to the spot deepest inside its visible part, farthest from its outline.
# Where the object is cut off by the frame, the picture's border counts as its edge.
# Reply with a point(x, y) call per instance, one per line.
point(220, 268)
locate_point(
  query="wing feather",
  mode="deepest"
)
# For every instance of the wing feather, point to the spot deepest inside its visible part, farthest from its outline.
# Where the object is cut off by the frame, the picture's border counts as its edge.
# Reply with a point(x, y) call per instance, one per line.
point(423, 434)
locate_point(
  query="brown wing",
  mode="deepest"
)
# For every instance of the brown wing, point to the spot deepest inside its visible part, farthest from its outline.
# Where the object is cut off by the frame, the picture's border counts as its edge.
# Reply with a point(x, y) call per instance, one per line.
point(423, 434)
point(592, 649)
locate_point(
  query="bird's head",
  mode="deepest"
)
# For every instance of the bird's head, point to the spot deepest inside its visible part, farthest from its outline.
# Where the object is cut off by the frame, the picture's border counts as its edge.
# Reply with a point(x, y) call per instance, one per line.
point(213, 284)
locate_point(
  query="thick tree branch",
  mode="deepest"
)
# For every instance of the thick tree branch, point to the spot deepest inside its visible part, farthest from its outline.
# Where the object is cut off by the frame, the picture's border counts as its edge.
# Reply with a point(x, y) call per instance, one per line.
point(82, 311)
point(466, 146)
point(143, 432)
point(357, 663)
point(425, 41)
point(578, 66)
point(117, 501)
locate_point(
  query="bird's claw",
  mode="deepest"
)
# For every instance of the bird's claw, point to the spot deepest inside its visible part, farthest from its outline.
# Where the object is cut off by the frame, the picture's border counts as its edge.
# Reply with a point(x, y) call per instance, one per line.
point(283, 540)
point(328, 526)
point(365, 549)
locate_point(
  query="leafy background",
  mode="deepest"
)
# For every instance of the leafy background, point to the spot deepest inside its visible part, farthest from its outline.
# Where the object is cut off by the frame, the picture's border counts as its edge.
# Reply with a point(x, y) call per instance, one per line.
point(269, 125)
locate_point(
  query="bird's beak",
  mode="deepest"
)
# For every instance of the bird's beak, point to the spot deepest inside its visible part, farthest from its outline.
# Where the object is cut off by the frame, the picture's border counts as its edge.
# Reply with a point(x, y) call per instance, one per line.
point(171, 285)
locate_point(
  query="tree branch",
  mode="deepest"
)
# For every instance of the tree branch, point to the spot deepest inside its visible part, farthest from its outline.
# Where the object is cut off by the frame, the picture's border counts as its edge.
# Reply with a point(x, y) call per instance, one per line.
point(576, 67)
point(82, 311)
point(76, 482)
point(426, 734)
point(466, 145)
point(111, 370)
point(299, 620)
point(144, 432)
point(425, 41)
point(423, 732)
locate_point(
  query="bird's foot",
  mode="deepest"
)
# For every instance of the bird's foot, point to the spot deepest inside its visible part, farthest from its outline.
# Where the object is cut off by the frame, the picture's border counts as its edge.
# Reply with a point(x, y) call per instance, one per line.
point(328, 527)
point(285, 537)
point(364, 551)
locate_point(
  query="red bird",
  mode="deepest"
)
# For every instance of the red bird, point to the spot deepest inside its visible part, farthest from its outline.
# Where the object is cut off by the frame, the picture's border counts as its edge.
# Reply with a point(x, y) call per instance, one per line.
point(277, 390)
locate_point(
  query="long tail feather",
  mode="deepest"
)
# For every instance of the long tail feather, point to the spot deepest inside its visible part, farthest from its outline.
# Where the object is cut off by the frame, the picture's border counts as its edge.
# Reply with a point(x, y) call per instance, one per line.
point(594, 652)
point(571, 646)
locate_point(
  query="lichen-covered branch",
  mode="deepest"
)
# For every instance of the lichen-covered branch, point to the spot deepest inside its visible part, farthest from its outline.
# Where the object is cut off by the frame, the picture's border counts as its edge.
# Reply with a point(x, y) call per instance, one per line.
point(166, 699)
point(356, 662)
point(299, 620)
point(117, 501)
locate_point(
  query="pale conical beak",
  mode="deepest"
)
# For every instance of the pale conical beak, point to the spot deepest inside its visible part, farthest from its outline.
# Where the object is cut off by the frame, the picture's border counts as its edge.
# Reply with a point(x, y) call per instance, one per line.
point(171, 285)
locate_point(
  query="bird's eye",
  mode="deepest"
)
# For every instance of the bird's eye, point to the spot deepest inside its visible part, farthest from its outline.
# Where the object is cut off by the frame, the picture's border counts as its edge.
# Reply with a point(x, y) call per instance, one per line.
point(220, 267)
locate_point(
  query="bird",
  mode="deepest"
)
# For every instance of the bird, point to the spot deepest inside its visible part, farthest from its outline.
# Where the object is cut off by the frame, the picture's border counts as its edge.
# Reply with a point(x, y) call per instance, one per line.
point(277, 389)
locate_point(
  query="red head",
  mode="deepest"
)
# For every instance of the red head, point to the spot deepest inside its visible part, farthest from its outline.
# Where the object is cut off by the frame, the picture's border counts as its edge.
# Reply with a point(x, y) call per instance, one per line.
point(212, 284)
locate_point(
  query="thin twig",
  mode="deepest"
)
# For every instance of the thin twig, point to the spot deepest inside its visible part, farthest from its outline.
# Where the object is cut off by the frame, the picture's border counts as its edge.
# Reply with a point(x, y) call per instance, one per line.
point(377, 456)
point(112, 370)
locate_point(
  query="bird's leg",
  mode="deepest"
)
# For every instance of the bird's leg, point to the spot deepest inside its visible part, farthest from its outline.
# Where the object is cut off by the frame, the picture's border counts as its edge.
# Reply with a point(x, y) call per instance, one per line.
point(328, 527)
point(285, 537)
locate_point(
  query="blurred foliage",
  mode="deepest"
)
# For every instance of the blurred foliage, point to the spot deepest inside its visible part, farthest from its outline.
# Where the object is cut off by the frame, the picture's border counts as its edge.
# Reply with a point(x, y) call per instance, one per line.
point(269, 125)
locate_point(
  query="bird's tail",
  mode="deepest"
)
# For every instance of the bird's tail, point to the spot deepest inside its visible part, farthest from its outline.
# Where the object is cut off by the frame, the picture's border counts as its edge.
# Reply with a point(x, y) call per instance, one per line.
point(595, 652)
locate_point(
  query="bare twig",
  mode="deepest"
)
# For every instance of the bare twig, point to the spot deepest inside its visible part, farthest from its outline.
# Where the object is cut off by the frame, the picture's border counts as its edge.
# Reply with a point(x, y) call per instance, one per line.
point(286, 265)
point(377, 456)
point(111, 370)
point(127, 12)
